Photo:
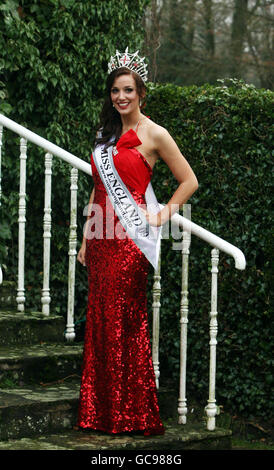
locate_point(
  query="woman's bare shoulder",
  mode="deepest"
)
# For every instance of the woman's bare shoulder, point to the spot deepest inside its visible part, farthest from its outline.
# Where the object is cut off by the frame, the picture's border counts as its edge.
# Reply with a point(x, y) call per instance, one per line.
point(156, 132)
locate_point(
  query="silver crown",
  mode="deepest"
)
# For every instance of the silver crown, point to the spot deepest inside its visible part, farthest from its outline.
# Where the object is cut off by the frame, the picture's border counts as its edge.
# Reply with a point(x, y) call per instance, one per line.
point(130, 61)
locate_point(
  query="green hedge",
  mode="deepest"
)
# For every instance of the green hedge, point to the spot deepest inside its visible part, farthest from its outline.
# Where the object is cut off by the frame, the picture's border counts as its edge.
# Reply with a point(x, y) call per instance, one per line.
point(225, 133)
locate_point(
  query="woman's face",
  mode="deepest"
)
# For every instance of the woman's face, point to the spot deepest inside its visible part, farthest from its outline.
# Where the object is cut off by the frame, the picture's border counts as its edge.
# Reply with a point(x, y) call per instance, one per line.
point(124, 94)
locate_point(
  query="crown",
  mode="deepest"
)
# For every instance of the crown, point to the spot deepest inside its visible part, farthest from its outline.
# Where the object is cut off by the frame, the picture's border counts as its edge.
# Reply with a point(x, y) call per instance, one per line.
point(130, 61)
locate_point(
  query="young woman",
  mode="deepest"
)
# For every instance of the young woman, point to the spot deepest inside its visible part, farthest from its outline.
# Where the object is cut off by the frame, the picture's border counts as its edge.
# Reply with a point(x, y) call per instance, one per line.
point(118, 390)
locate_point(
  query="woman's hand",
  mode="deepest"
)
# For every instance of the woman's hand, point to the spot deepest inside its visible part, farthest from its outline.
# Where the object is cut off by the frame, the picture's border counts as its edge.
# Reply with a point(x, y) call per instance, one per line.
point(82, 253)
point(153, 219)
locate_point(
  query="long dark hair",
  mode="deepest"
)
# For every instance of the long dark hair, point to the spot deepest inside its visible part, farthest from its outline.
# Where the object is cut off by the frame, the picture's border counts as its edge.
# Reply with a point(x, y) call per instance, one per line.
point(110, 121)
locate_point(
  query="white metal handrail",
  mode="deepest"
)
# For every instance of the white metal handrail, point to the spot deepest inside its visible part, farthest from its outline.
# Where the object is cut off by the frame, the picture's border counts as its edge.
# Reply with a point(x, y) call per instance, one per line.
point(184, 222)
point(45, 144)
point(211, 239)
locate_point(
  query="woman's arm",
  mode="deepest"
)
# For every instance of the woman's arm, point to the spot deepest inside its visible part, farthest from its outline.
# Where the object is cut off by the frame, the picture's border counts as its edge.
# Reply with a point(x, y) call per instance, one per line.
point(168, 150)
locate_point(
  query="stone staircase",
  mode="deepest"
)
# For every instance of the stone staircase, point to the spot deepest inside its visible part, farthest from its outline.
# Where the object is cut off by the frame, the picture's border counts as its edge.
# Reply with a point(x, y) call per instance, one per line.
point(39, 391)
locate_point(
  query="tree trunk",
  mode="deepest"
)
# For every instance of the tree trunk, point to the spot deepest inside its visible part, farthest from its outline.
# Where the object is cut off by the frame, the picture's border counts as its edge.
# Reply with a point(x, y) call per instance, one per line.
point(152, 29)
point(238, 35)
point(209, 24)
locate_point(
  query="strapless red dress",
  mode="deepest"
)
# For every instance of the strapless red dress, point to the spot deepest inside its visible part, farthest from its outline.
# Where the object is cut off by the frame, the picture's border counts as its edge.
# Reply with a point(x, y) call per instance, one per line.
point(118, 391)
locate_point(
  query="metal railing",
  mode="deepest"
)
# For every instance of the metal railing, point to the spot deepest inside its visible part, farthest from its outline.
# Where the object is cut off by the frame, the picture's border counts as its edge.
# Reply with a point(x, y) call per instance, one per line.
point(184, 222)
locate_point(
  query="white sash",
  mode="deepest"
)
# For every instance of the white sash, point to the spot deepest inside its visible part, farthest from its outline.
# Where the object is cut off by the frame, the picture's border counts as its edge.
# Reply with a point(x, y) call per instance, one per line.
point(144, 235)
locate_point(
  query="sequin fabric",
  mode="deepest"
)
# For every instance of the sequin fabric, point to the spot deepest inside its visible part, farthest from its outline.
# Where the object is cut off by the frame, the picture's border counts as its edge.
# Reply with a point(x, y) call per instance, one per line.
point(118, 391)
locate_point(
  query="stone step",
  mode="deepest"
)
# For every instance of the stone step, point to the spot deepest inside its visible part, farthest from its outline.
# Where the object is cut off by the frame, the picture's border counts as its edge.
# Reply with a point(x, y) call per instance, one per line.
point(177, 437)
point(43, 417)
point(18, 328)
point(31, 410)
point(46, 362)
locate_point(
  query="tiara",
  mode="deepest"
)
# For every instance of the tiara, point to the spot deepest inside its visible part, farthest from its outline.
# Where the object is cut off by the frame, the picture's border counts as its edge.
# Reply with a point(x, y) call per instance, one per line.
point(130, 61)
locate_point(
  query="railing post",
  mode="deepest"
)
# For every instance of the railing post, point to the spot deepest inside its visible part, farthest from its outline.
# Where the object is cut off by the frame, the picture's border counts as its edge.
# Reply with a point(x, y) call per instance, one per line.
point(21, 230)
point(211, 408)
point(156, 293)
point(45, 299)
point(70, 332)
point(182, 406)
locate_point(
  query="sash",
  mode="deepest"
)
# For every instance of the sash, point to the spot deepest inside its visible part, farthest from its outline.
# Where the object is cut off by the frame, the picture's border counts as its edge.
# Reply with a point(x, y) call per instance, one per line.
point(144, 235)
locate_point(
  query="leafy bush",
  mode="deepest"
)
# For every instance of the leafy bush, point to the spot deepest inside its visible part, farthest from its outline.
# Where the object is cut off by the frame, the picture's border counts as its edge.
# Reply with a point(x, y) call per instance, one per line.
point(225, 133)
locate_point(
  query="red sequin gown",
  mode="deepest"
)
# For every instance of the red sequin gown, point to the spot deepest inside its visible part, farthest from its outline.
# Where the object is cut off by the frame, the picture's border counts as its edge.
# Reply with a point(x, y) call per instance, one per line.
point(118, 390)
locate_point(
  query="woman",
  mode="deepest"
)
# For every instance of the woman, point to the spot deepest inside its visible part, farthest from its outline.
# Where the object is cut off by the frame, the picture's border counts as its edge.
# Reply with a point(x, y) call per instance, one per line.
point(118, 390)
